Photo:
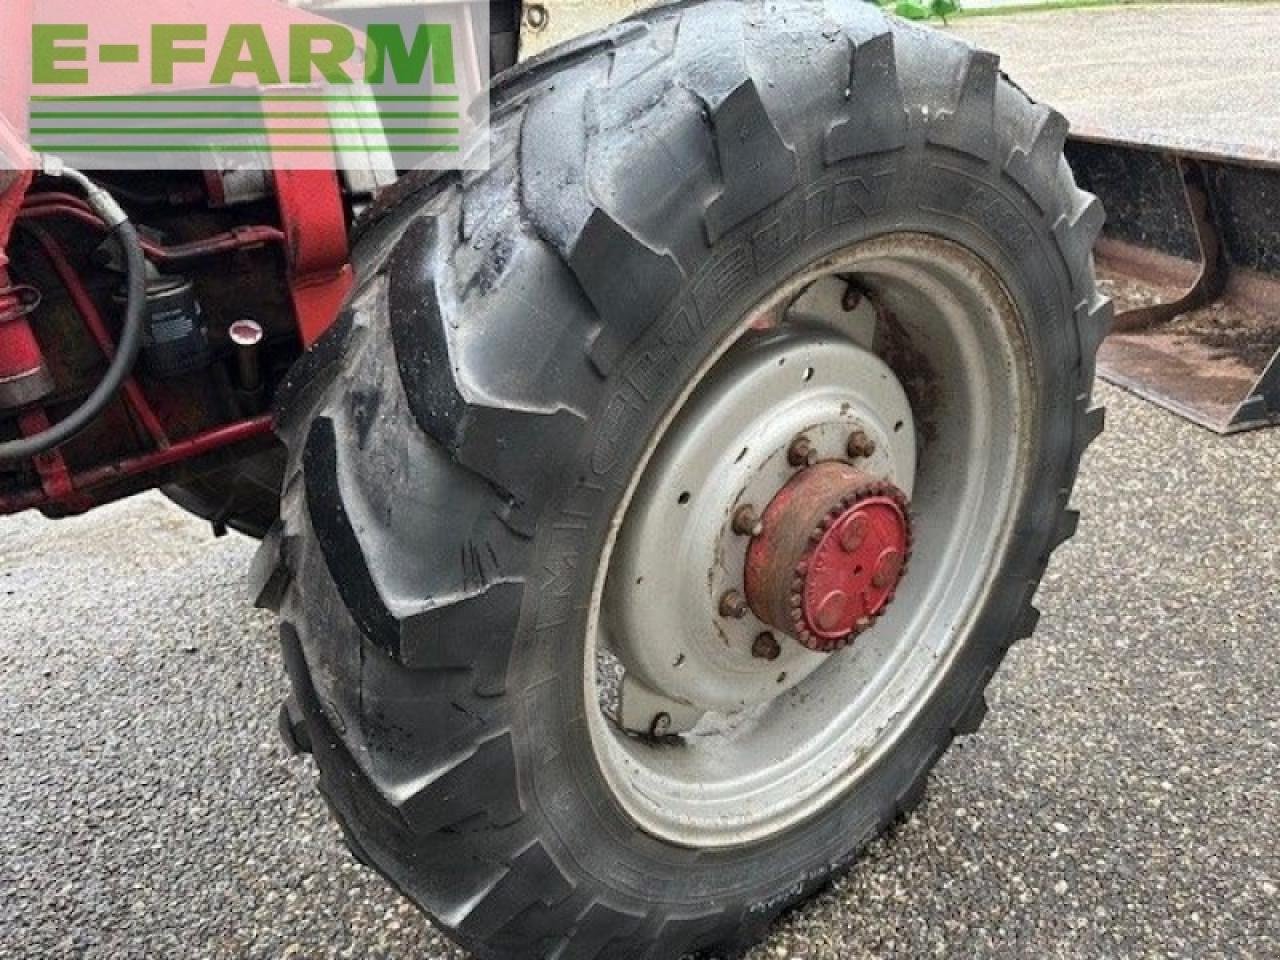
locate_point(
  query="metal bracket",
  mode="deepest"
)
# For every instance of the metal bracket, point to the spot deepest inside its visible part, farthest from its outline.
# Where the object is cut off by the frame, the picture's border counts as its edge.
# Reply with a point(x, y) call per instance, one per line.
point(1211, 282)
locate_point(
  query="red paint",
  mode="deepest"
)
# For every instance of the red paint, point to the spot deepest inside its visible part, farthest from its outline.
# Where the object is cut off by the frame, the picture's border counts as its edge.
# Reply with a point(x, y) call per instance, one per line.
point(84, 482)
point(854, 569)
point(314, 218)
point(20, 355)
point(832, 548)
point(55, 477)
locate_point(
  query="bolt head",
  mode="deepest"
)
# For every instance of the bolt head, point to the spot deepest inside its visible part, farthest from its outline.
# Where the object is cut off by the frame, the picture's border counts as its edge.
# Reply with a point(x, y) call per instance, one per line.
point(801, 452)
point(246, 332)
point(733, 605)
point(536, 16)
point(661, 725)
point(746, 522)
point(861, 445)
point(766, 647)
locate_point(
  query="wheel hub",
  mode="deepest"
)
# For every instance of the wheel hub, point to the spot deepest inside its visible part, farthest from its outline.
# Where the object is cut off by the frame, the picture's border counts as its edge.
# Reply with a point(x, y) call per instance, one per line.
point(784, 405)
point(832, 547)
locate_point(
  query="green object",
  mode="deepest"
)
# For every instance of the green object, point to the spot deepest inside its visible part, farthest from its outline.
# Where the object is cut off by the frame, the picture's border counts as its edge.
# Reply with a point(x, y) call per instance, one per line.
point(925, 9)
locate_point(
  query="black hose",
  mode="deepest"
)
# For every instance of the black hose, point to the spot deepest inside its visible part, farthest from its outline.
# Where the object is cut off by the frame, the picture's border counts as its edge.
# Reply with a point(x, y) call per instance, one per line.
point(121, 364)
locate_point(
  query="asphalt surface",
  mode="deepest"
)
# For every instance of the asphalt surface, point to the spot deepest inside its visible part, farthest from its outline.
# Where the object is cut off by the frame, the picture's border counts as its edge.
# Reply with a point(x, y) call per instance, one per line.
point(1121, 800)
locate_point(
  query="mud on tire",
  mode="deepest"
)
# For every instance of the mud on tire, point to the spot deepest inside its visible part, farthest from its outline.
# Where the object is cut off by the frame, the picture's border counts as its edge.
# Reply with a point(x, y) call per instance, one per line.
point(459, 441)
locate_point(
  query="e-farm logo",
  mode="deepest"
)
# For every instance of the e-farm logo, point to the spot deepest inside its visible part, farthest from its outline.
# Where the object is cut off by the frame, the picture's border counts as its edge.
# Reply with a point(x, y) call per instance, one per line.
point(297, 91)
point(324, 50)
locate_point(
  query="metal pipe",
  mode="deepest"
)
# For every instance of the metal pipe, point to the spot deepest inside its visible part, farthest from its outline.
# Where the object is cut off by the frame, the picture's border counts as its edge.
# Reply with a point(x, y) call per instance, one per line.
point(247, 335)
point(208, 442)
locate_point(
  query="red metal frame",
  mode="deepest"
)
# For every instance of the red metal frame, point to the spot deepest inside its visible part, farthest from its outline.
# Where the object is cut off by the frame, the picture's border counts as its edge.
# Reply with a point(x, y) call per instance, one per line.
point(313, 235)
point(315, 226)
point(202, 444)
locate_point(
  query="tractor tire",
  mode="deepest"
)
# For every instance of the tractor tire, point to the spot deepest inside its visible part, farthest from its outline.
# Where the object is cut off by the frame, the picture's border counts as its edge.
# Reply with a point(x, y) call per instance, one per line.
point(465, 443)
point(244, 496)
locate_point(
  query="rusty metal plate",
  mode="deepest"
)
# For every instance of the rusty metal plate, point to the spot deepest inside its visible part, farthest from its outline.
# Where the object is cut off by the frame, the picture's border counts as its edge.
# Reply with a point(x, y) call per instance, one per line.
point(1218, 366)
point(1195, 230)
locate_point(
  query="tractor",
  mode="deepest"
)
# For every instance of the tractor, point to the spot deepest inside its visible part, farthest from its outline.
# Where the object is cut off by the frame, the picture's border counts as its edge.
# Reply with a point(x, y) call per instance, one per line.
point(646, 512)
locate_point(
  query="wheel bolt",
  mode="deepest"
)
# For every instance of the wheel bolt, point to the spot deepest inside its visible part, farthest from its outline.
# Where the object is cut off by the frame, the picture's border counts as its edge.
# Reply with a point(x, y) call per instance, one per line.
point(861, 445)
point(852, 298)
point(801, 452)
point(766, 647)
point(733, 604)
point(661, 725)
point(746, 522)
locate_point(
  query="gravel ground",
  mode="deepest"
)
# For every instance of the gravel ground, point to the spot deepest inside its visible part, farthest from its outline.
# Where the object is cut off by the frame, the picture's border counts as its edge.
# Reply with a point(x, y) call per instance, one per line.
point(1122, 799)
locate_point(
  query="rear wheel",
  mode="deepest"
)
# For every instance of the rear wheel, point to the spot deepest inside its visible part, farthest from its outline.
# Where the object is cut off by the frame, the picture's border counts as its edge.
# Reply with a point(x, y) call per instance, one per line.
point(664, 502)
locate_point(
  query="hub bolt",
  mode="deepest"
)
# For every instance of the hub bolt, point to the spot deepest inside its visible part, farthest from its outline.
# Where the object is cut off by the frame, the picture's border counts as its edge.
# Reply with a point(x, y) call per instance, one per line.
point(801, 452)
point(852, 298)
point(661, 725)
point(746, 522)
point(766, 647)
point(861, 445)
point(733, 604)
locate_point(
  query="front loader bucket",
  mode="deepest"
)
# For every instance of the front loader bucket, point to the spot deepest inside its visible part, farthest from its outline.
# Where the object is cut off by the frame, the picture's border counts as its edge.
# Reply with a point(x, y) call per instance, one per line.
point(1191, 255)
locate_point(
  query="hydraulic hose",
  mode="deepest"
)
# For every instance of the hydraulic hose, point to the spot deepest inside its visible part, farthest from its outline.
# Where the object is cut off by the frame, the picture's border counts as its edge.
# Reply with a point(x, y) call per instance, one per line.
point(130, 343)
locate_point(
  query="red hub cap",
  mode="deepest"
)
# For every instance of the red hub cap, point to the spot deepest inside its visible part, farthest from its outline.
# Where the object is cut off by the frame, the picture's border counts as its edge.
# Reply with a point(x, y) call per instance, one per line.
point(833, 546)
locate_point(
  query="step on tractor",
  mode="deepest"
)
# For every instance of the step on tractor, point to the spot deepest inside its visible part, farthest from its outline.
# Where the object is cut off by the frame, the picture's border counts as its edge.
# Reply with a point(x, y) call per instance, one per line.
point(646, 512)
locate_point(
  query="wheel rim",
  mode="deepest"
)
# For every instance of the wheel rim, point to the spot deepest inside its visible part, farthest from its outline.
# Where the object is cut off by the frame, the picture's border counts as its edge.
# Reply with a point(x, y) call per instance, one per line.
point(730, 739)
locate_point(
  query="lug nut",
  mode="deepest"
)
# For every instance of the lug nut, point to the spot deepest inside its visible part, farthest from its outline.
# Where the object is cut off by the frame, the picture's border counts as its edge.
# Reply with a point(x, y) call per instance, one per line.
point(733, 604)
point(661, 725)
point(860, 444)
point(746, 522)
point(852, 298)
point(801, 452)
point(766, 647)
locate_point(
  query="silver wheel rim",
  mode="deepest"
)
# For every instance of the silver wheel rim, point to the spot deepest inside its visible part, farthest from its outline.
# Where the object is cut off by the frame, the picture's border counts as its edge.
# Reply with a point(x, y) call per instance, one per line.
point(752, 747)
